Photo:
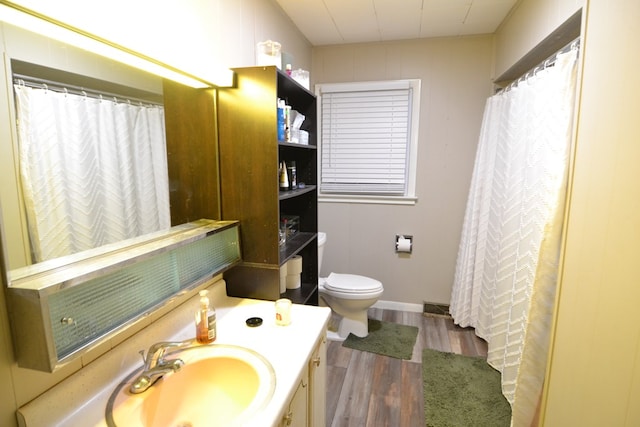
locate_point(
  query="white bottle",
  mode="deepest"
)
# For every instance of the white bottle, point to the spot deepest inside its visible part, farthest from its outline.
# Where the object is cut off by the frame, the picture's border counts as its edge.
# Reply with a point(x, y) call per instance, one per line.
point(287, 123)
point(205, 320)
point(284, 177)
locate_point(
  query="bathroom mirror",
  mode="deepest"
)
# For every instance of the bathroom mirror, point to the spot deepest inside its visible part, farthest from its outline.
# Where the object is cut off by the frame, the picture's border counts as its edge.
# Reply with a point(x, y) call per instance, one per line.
point(24, 52)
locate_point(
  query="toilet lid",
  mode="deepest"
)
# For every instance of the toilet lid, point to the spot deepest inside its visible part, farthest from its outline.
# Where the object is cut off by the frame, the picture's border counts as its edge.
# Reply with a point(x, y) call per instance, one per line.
point(351, 283)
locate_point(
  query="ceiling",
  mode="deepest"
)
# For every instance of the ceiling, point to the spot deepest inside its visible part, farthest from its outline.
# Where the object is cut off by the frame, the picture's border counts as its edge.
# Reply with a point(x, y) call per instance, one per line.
point(328, 22)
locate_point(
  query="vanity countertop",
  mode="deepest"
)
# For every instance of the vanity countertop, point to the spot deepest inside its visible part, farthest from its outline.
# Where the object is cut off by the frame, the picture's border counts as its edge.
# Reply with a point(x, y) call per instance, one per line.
point(81, 399)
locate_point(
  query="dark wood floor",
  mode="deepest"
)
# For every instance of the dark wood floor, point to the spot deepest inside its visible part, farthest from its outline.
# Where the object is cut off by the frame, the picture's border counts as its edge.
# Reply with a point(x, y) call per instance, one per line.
point(365, 389)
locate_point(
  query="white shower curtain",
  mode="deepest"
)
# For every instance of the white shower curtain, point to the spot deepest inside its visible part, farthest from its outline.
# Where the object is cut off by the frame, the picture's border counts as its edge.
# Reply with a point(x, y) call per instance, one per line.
point(93, 171)
point(507, 264)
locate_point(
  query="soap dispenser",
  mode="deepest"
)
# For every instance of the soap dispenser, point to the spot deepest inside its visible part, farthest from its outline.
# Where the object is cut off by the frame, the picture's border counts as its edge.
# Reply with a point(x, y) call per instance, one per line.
point(205, 320)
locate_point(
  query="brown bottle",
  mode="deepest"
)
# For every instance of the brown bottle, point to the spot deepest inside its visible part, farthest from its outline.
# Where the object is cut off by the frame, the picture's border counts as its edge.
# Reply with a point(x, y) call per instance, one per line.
point(205, 320)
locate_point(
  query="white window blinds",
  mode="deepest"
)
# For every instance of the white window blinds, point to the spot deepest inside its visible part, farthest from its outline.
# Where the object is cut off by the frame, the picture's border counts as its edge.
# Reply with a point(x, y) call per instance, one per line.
point(365, 138)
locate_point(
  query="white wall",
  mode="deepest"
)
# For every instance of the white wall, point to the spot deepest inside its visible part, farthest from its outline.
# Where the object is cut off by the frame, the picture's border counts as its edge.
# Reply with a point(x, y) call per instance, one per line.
point(456, 80)
point(194, 35)
point(594, 377)
point(593, 374)
point(189, 36)
point(528, 25)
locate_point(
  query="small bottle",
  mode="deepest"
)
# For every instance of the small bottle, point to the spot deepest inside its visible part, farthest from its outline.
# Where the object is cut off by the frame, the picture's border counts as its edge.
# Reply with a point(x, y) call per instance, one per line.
point(280, 120)
point(287, 123)
point(284, 177)
point(293, 176)
point(288, 69)
point(205, 320)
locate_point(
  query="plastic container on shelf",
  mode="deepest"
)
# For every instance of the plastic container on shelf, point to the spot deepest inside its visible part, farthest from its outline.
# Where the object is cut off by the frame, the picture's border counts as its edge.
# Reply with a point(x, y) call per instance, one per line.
point(269, 53)
point(301, 76)
point(290, 223)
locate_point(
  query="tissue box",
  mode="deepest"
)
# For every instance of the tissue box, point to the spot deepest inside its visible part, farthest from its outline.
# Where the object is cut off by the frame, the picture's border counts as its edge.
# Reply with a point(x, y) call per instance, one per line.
point(290, 224)
point(297, 120)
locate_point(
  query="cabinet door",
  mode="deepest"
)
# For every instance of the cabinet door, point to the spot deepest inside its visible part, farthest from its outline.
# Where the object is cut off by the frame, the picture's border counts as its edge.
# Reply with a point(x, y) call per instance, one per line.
point(317, 384)
point(296, 415)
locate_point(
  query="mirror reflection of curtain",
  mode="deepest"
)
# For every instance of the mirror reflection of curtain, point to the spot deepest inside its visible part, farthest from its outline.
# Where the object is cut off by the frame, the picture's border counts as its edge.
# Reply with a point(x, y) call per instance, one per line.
point(93, 171)
point(508, 260)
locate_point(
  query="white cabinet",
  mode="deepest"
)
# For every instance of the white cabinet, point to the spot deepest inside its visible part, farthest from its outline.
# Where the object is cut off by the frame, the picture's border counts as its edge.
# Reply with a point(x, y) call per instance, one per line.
point(318, 383)
point(307, 406)
point(296, 414)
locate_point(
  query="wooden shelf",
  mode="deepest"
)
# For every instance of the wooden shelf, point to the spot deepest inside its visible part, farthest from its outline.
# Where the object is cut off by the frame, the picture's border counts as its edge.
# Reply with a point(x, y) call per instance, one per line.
point(297, 192)
point(250, 156)
point(294, 245)
point(303, 294)
point(297, 145)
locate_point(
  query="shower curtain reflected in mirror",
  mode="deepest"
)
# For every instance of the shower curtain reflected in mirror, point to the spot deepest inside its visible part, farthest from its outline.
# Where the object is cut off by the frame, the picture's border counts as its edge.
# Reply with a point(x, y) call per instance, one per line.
point(93, 171)
point(507, 267)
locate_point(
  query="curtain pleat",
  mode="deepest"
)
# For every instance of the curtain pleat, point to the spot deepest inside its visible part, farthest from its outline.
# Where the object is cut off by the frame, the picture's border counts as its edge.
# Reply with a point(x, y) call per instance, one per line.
point(506, 271)
point(93, 171)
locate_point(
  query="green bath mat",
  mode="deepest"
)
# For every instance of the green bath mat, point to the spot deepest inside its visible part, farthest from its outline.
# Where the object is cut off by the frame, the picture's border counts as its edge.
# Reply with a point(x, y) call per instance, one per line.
point(462, 391)
point(385, 338)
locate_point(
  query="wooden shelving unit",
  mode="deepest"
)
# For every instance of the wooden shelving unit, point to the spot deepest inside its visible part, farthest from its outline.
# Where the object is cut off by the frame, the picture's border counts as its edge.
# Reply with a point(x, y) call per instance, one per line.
point(250, 154)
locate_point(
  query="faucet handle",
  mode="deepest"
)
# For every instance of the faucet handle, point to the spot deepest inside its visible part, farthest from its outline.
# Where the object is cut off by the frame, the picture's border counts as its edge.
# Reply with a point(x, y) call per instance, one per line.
point(155, 366)
point(156, 352)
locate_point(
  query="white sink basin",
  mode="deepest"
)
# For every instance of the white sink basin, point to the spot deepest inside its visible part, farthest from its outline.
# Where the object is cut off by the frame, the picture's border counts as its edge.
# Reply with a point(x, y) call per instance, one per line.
point(219, 385)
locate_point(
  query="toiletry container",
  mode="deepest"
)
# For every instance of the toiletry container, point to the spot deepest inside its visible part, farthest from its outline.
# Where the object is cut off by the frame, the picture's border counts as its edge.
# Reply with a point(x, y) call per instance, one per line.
point(287, 123)
point(205, 320)
point(268, 53)
point(301, 76)
point(281, 106)
point(284, 177)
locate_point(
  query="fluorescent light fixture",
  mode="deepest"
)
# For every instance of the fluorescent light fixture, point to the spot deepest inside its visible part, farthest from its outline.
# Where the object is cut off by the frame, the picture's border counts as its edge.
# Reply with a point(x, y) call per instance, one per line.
point(43, 25)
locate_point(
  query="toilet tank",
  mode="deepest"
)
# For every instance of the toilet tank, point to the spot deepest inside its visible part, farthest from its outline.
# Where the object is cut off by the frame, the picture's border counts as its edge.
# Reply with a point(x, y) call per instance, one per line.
point(322, 239)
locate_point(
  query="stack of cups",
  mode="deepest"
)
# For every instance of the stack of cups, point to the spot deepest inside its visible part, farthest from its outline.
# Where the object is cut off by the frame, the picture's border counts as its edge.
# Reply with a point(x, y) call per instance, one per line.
point(294, 270)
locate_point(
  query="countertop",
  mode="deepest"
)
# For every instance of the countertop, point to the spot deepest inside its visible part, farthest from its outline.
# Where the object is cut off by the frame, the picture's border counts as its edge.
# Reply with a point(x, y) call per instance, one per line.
point(80, 400)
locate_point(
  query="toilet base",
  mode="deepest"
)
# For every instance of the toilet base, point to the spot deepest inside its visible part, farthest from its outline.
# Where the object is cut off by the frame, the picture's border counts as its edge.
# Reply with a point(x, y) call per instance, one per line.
point(351, 307)
point(354, 323)
point(333, 336)
point(341, 326)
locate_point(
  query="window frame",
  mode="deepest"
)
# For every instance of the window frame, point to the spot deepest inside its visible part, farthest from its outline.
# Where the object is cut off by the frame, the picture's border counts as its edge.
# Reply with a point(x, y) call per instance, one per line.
point(409, 197)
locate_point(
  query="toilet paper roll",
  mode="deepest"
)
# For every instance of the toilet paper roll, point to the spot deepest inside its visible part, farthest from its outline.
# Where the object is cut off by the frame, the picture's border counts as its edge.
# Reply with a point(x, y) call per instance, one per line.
point(293, 281)
point(294, 265)
point(403, 245)
point(283, 278)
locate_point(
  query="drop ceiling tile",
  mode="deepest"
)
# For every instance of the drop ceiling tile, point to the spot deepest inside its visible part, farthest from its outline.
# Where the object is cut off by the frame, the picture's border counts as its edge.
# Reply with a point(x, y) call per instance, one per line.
point(312, 19)
point(355, 19)
point(443, 18)
point(326, 22)
point(486, 15)
point(398, 22)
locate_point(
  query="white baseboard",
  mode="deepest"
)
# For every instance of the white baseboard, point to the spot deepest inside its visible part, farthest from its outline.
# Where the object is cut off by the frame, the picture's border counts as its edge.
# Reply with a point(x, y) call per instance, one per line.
point(400, 306)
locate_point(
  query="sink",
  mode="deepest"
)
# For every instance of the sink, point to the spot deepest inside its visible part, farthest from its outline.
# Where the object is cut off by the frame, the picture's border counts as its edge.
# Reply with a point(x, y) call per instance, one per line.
point(218, 385)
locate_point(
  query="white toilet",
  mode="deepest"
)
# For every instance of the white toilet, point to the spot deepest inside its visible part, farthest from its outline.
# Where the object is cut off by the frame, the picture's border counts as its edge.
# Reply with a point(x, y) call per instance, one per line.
point(349, 296)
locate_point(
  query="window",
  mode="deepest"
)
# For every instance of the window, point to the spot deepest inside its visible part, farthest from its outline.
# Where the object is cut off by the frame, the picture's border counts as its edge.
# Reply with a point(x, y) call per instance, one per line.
point(368, 141)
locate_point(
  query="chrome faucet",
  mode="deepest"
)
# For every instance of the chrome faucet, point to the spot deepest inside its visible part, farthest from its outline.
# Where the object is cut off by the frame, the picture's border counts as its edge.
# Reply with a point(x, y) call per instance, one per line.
point(155, 365)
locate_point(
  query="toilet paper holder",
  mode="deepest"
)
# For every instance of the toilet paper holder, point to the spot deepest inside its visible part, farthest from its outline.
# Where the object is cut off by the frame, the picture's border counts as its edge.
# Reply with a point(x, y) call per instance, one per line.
point(404, 243)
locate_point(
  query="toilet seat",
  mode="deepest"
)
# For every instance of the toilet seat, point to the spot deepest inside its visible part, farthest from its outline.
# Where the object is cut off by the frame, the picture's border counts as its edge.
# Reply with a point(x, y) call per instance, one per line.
point(351, 284)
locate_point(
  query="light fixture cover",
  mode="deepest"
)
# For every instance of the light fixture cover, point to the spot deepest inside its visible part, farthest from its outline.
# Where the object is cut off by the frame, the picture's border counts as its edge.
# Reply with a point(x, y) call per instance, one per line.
point(49, 27)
